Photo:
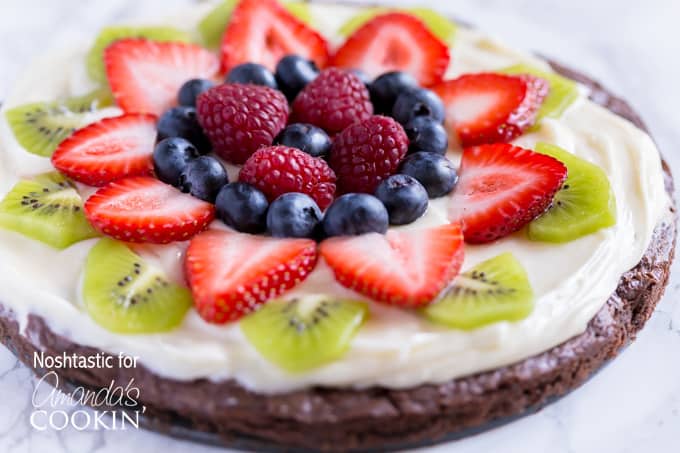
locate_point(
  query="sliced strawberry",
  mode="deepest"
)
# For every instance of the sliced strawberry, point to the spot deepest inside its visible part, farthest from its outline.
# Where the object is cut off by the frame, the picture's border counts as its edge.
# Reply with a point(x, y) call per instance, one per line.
point(395, 42)
point(502, 188)
point(145, 75)
point(108, 150)
point(408, 269)
point(232, 274)
point(263, 31)
point(491, 108)
point(143, 209)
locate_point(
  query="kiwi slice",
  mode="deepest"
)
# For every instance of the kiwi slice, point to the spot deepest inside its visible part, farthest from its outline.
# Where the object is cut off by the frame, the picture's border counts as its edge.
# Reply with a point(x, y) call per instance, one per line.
point(563, 92)
point(46, 208)
point(124, 294)
point(95, 57)
point(304, 333)
point(213, 24)
point(494, 290)
point(584, 205)
point(39, 127)
point(442, 27)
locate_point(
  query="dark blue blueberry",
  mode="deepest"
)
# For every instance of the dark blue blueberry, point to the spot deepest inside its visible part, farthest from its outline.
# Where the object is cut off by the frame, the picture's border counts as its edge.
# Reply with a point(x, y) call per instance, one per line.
point(386, 88)
point(435, 172)
point(404, 197)
point(293, 215)
point(242, 207)
point(418, 102)
point(253, 73)
point(191, 89)
point(170, 158)
point(363, 76)
point(183, 122)
point(308, 138)
point(426, 134)
point(203, 178)
point(293, 73)
point(354, 214)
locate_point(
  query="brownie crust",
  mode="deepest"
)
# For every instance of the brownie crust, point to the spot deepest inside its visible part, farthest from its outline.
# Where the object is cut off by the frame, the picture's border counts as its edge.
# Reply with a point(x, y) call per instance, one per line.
point(377, 418)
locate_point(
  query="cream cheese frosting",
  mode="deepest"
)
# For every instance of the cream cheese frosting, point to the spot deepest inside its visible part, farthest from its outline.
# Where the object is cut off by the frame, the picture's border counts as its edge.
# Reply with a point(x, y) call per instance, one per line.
point(394, 348)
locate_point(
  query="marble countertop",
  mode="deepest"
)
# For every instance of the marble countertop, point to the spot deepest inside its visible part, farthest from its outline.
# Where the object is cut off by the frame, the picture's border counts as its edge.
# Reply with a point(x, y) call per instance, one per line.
point(633, 404)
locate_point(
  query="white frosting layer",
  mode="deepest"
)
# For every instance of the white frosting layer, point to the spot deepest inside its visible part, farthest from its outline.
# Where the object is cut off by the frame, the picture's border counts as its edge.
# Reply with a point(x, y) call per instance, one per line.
point(395, 348)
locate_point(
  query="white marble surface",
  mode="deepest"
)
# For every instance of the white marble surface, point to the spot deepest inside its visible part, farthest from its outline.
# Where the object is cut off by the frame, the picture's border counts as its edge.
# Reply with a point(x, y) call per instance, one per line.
point(633, 405)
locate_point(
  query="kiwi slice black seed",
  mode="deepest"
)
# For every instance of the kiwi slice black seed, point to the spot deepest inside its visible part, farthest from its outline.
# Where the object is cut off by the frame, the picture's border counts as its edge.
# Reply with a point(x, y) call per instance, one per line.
point(47, 208)
point(124, 294)
point(304, 333)
point(494, 290)
point(39, 127)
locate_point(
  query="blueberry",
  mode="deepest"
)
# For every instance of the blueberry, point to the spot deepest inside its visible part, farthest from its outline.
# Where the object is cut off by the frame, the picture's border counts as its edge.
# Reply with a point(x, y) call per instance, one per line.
point(404, 197)
point(426, 134)
point(203, 178)
point(252, 73)
point(435, 172)
point(363, 76)
point(293, 73)
point(183, 122)
point(191, 89)
point(354, 214)
point(386, 88)
point(170, 158)
point(293, 215)
point(418, 102)
point(308, 138)
point(242, 207)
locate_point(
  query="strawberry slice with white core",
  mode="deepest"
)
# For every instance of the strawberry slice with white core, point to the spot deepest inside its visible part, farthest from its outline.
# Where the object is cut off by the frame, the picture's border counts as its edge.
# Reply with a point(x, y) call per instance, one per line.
point(263, 31)
point(501, 188)
point(403, 268)
point(232, 274)
point(143, 209)
point(395, 42)
point(110, 149)
point(491, 108)
point(145, 75)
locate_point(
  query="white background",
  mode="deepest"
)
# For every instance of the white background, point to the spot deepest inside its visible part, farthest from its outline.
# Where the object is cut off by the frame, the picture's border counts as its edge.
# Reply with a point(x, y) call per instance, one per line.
point(632, 46)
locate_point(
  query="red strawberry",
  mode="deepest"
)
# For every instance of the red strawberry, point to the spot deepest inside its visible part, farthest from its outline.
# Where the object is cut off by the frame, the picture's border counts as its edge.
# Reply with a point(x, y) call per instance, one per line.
point(276, 170)
point(232, 274)
point(108, 150)
point(502, 188)
point(490, 108)
point(263, 31)
point(395, 42)
point(405, 268)
point(143, 209)
point(145, 76)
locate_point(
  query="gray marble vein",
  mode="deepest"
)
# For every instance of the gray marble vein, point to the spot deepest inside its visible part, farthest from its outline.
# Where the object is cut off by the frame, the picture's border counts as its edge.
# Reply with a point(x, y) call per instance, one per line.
point(633, 405)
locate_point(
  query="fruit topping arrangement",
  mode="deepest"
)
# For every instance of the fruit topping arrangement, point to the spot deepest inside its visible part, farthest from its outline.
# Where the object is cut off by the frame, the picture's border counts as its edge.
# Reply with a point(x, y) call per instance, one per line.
point(304, 154)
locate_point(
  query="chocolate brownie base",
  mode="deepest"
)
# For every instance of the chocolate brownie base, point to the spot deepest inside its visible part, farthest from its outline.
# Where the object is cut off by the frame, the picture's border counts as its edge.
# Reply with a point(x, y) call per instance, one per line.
point(338, 419)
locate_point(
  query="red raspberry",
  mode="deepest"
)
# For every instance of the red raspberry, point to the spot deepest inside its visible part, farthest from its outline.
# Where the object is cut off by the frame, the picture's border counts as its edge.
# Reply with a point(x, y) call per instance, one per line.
point(238, 119)
point(333, 101)
point(366, 153)
point(276, 170)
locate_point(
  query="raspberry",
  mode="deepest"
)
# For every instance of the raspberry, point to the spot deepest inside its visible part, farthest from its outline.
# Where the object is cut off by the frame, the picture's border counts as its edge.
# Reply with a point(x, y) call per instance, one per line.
point(276, 170)
point(238, 119)
point(366, 153)
point(333, 101)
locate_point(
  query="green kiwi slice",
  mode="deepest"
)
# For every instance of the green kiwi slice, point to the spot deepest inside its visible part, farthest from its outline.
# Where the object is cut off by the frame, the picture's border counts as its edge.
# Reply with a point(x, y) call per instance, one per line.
point(495, 290)
point(563, 92)
point(46, 208)
point(95, 57)
point(439, 25)
point(39, 127)
point(584, 205)
point(124, 294)
point(213, 24)
point(304, 333)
